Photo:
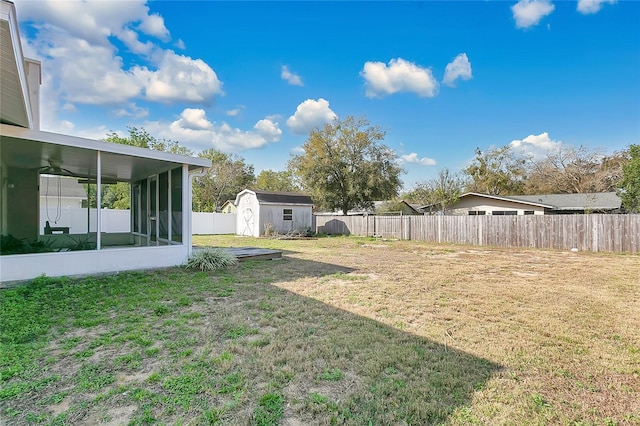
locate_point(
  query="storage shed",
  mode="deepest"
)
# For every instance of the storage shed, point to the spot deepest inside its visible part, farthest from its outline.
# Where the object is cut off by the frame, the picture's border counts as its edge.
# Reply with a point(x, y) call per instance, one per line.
point(260, 211)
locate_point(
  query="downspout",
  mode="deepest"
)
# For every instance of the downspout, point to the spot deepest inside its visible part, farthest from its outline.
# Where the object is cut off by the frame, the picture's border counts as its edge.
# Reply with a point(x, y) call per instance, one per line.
point(194, 174)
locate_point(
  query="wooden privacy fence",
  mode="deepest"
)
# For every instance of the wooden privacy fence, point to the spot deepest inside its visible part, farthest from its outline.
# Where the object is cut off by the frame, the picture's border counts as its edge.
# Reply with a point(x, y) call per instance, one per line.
point(585, 232)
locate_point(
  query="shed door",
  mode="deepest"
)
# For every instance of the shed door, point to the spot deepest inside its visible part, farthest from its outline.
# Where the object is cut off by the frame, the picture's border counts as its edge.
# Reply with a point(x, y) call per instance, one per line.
point(247, 224)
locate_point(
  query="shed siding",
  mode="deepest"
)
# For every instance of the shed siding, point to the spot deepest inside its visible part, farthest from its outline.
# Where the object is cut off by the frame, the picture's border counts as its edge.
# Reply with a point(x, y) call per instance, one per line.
point(273, 216)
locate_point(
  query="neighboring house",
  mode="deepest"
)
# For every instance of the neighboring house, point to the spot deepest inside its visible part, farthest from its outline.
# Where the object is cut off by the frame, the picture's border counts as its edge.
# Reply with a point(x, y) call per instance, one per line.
point(411, 209)
point(260, 211)
point(228, 207)
point(58, 192)
point(473, 203)
point(160, 184)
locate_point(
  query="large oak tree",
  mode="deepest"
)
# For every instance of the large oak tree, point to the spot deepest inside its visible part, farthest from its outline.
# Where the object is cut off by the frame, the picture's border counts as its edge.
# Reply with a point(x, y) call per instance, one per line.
point(346, 166)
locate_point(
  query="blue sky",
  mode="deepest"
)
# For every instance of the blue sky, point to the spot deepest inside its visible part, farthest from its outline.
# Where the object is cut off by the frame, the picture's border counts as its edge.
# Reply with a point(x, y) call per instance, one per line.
point(252, 78)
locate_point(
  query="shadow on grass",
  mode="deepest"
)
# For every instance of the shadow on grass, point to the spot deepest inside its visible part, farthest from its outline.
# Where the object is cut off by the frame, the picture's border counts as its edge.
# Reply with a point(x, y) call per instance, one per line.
point(373, 373)
point(250, 339)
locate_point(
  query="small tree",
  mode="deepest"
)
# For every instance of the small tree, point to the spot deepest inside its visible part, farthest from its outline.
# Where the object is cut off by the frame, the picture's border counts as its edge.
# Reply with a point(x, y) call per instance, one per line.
point(439, 193)
point(142, 139)
point(630, 184)
point(497, 172)
point(117, 196)
point(345, 166)
point(227, 176)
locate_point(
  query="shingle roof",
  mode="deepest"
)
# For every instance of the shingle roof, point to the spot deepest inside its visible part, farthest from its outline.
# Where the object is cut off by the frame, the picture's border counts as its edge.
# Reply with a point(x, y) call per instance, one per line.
point(283, 197)
point(416, 207)
point(588, 201)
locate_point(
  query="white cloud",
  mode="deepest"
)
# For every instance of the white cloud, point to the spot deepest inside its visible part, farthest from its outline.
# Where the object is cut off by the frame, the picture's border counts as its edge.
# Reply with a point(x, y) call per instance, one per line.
point(528, 13)
point(592, 6)
point(130, 39)
point(234, 112)
point(399, 76)
point(536, 146)
point(95, 76)
point(413, 158)
point(180, 78)
point(194, 119)
point(180, 44)
point(460, 67)
point(81, 65)
point(291, 78)
point(268, 129)
point(194, 130)
point(153, 25)
point(132, 110)
point(310, 114)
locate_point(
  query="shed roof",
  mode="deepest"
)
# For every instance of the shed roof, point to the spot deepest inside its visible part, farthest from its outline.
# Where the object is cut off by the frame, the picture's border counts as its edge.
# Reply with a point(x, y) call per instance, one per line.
point(283, 197)
point(272, 197)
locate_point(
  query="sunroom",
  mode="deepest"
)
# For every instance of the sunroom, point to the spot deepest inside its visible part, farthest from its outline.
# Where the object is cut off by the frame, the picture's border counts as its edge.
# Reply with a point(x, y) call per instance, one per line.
point(159, 229)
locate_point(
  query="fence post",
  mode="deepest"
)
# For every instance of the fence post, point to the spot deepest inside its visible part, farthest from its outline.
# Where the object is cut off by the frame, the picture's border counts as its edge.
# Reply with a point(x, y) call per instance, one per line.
point(366, 218)
point(594, 229)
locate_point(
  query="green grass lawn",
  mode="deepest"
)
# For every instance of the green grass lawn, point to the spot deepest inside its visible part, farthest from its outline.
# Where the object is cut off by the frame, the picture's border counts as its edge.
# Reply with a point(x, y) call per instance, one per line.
point(341, 331)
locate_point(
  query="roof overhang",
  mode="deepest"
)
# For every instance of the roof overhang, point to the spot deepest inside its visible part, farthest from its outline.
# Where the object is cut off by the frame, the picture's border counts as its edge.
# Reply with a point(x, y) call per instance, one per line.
point(510, 199)
point(32, 149)
point(14, 92)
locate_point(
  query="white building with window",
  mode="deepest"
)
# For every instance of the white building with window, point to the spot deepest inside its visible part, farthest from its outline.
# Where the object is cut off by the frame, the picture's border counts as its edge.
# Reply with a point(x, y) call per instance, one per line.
point(258, 211)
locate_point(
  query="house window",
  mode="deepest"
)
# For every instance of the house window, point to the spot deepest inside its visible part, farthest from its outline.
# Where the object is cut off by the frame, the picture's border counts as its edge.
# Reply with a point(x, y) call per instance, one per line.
point(504, 213)
point(528, 212)
point(477, 212)
point(287, 214)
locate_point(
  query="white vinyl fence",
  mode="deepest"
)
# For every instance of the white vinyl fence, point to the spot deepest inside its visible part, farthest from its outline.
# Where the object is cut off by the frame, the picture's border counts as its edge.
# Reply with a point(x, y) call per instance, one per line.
point(213, 223)
point(115, 221)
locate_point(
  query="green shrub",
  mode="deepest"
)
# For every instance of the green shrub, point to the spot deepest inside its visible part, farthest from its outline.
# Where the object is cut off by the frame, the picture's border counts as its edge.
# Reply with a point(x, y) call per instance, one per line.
point(210, 259)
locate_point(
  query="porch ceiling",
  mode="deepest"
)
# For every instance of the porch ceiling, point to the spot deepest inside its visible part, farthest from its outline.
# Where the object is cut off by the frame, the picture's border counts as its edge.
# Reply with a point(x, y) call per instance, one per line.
point(31, 149)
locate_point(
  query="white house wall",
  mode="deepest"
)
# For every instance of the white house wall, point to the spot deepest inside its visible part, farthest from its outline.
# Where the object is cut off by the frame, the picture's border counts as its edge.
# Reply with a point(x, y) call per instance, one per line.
point(53, 201)
point(474, 203)
point(273, 215)
point(28, 266)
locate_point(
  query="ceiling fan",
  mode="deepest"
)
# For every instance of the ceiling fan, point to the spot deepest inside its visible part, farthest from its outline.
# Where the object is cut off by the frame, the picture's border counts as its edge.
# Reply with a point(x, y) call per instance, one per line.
point(55, 168)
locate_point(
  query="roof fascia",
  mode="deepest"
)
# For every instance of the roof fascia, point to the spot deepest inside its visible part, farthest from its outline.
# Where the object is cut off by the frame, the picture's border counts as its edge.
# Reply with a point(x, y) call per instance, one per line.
point(271, 203)
point(513, 200)
point(113, 148)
